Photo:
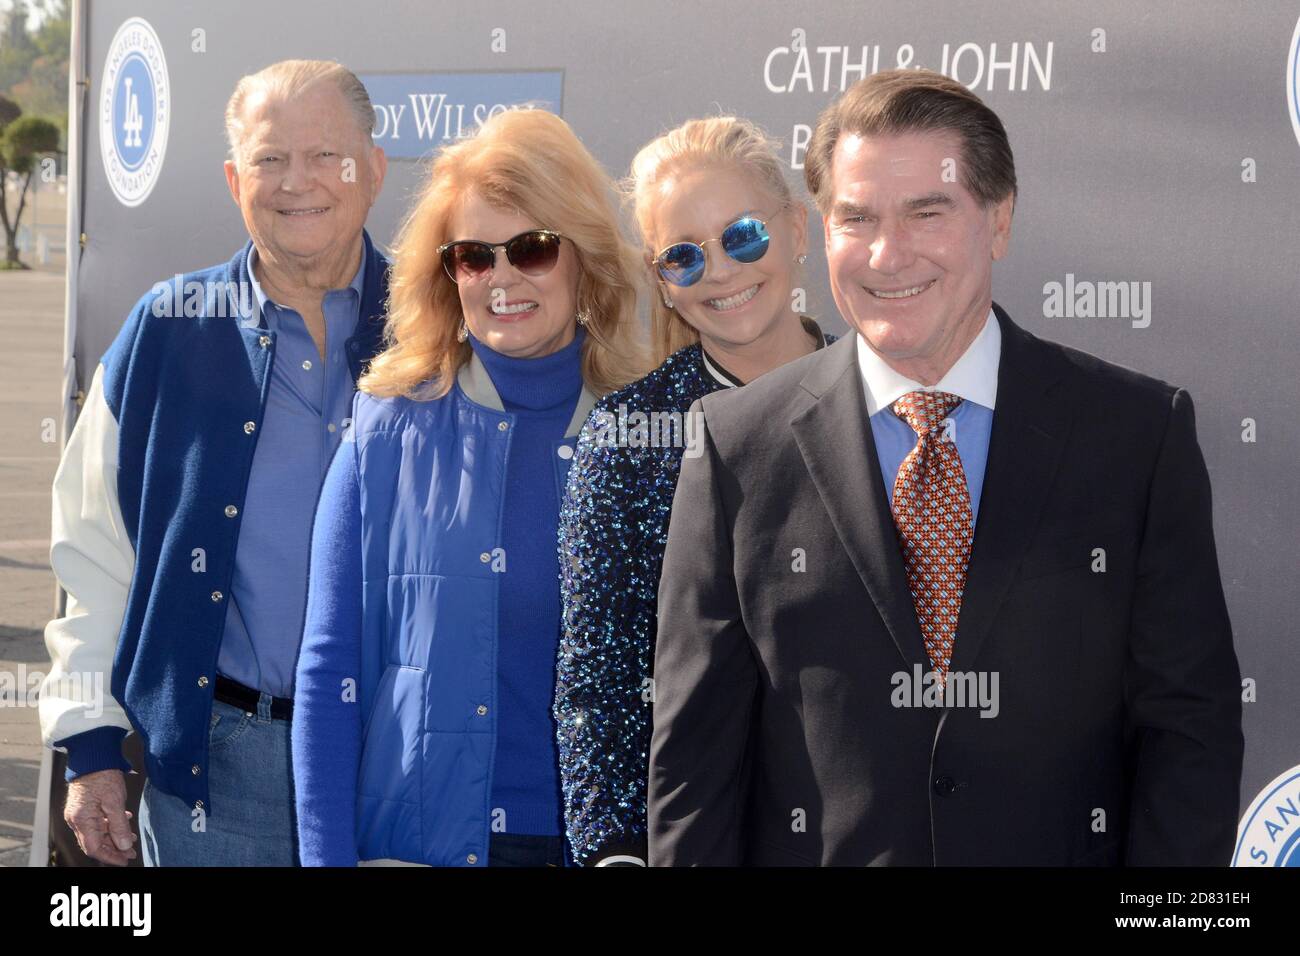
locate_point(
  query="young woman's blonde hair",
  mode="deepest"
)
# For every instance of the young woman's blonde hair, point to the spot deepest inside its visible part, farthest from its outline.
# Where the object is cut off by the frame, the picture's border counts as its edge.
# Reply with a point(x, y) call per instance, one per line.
point(717, 141)
point(529, 161)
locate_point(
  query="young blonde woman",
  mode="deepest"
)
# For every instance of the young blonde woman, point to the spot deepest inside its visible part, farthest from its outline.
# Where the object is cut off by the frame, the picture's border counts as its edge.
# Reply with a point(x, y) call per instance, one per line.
point(423, 731)
point(724, 239)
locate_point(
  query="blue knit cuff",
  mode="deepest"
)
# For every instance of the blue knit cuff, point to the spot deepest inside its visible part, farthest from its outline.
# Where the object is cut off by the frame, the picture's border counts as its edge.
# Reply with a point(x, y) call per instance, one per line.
point(94, 750)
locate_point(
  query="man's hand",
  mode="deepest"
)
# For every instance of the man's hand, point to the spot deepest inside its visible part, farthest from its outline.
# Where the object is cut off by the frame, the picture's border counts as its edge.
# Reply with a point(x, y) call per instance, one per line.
point(96, 811)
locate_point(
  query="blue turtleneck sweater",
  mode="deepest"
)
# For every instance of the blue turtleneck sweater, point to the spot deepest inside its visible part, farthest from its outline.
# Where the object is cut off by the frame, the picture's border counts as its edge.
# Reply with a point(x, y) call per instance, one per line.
point(541, 393)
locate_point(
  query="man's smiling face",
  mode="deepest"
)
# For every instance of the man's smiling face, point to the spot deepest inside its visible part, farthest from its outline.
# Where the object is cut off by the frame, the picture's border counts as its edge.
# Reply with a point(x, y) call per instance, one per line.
point(910, 249)
point(301, 199)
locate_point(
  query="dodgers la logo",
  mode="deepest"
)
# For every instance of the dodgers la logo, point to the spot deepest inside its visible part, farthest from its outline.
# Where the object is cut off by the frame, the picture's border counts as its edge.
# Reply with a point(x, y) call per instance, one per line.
point(1293, 80)
point(134, 111)
point(1269, 834)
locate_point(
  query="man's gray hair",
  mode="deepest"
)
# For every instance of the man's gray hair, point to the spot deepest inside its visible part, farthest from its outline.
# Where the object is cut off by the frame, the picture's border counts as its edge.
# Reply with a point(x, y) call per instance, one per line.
point(287, 79)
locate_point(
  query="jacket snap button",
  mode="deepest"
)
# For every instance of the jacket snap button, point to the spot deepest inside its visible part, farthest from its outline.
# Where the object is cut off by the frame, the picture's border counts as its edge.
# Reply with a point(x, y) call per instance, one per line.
point(195, 770)
point(485, 557)
point(502, 426)
point(264, 340)
point(472, 858)
point(203, 681)
point(565, 452)
point(216, 596)
point(482, 710)
point(945, 786)
point(250, 427)
point(231, 511)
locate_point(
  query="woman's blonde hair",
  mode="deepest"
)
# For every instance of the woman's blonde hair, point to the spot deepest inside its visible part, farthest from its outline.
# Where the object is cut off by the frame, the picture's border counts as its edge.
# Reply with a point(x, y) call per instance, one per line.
point(529, 161)
point(725, 141)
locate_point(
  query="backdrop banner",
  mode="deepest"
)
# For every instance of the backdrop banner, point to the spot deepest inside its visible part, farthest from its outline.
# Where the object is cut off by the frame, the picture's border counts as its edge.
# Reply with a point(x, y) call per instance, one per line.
point(1157, 147)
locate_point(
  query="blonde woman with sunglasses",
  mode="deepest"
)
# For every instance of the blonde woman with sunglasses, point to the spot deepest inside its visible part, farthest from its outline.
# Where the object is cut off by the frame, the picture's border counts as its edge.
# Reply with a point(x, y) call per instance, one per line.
point(723, 241)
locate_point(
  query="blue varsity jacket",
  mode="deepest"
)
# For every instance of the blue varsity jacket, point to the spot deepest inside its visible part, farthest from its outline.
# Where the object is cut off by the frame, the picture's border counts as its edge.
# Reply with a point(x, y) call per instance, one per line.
point(186, 383)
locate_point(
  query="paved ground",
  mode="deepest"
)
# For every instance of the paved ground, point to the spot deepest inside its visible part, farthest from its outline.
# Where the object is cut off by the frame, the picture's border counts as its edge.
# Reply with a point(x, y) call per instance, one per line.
point(31, 322)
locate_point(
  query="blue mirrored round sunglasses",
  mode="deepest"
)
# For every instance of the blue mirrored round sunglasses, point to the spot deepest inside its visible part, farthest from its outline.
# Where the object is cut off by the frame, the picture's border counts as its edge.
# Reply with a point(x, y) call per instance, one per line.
point(682, 263)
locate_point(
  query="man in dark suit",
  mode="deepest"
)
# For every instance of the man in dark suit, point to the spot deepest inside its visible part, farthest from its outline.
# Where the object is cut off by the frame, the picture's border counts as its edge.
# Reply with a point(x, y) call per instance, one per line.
point(942, 593)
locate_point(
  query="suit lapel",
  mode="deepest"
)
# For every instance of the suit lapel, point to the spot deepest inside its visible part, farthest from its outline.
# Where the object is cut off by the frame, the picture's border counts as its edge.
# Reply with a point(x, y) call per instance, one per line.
point(835, 440)
point(1029, 429)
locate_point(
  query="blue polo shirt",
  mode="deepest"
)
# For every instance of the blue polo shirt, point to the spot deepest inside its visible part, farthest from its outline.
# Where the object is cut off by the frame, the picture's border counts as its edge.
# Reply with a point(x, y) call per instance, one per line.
point(307, 407)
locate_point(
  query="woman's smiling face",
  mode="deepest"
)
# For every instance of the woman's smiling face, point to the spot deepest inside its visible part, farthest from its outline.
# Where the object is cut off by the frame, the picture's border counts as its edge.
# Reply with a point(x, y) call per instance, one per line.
point(733, 303)
point(524, 316)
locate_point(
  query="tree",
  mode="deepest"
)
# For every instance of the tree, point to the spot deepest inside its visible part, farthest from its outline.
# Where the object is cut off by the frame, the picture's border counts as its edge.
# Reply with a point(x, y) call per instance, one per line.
point(22, 141)
point(53, 37)
point(44, 92)
point(9, 111)
point(17, 50)
point(34, 61)
point(15, 26)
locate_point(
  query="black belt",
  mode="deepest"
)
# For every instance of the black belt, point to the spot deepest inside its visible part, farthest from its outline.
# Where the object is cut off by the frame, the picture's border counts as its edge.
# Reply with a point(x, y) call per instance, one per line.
point(235, 694)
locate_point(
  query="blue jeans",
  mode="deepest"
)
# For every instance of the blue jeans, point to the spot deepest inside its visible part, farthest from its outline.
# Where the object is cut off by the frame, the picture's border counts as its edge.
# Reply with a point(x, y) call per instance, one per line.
point(251, 787)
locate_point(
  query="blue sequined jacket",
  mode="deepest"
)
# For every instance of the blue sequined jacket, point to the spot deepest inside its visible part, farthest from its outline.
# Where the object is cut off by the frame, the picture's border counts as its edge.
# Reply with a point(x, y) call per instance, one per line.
point(612, 533)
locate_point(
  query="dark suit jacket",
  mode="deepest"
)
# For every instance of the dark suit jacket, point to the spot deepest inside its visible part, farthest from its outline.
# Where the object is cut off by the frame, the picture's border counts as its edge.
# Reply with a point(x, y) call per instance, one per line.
point(777, 739)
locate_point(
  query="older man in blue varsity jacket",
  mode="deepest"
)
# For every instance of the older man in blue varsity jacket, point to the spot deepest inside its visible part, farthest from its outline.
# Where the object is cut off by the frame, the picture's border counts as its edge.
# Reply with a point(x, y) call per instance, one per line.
point(184, 500)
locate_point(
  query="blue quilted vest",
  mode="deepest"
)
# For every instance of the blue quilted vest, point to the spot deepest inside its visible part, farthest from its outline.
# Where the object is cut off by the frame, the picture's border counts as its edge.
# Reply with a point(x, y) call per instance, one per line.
point(431, 480)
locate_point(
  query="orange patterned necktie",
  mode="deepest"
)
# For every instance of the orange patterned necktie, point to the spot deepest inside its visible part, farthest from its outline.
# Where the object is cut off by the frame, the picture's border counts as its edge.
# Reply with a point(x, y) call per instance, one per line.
point(933, 514)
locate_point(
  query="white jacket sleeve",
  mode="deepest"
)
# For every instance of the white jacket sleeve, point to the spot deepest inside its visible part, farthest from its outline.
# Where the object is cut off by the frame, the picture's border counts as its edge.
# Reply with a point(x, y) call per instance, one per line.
point(93, 558)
